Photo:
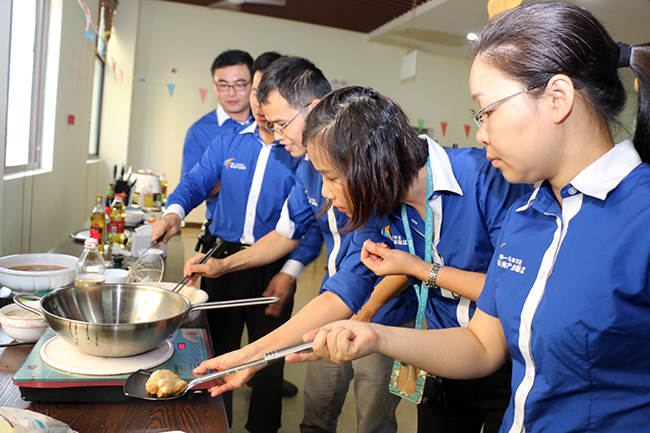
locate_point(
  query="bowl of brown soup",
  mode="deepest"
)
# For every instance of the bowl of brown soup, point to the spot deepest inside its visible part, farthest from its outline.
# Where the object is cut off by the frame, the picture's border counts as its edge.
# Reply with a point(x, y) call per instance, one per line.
point(31, 273)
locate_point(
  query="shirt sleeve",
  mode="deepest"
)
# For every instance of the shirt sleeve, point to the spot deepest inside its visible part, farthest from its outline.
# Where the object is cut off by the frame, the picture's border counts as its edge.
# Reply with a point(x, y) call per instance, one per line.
point(496, 196)
point(306, 252)
point(297, 216)
point(193, 149)
point(353, 282)
point(198, 183)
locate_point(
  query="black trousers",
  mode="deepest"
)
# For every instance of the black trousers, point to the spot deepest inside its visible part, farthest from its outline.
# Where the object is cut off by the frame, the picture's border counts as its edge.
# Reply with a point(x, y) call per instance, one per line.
point(226, 328)
point(467, 404)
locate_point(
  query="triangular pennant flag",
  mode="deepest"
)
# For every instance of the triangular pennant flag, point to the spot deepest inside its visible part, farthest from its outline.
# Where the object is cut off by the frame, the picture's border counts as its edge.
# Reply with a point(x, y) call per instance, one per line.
point(444, 127)
point(467, 128)
point(203, 93)
point(420, 124)
point(140, 79)
point(171, 87)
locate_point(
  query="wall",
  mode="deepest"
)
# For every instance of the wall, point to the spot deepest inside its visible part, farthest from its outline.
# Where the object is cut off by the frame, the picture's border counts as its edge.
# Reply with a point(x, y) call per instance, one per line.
point(188, 38)
point(41, 210)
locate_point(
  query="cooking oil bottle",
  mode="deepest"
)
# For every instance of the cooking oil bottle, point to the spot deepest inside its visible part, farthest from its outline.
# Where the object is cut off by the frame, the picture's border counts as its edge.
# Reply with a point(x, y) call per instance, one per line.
point(163, 189)
point(90, 267)
point(98, 220)
point(116, 226)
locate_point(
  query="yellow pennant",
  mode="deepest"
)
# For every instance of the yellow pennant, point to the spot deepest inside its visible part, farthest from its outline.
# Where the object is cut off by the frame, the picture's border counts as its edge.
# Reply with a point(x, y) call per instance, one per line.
point(495, 7)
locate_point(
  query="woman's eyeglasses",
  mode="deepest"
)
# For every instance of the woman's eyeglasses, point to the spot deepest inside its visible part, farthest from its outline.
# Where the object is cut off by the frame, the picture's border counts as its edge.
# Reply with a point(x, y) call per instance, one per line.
point(478, 116)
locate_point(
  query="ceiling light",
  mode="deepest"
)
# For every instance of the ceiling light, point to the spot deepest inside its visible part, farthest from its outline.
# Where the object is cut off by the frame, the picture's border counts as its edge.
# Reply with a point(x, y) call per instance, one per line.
point(472, 36)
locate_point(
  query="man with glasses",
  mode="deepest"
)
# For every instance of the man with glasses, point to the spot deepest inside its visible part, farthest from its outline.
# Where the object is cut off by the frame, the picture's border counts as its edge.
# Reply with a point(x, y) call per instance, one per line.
point(256, 176)
point(231, 75)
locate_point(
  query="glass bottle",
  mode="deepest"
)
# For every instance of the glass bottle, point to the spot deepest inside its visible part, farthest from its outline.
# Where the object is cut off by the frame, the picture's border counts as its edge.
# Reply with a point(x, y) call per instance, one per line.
point(90, 267)
point(110, 195)
point(116, 226)
point(163, 189)
point(98, 220)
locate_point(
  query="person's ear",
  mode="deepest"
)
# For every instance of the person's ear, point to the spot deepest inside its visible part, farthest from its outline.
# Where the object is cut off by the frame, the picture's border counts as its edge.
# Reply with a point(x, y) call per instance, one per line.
point(561, 96)
point(312, 104)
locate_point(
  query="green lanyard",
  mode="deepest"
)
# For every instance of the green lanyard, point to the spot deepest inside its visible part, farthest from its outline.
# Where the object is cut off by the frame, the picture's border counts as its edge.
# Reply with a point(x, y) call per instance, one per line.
point(422, 291)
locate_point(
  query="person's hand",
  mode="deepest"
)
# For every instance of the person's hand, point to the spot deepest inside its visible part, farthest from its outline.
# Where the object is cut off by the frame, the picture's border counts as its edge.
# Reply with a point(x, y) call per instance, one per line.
point(282, 286)
point(212, 268)
point(340, 342)
point(385, 261)
point(170, 224)
point(228, 360)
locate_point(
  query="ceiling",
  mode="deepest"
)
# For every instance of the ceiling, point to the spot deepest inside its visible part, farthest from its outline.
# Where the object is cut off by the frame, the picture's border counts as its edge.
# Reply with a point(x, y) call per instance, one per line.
point(441, 26)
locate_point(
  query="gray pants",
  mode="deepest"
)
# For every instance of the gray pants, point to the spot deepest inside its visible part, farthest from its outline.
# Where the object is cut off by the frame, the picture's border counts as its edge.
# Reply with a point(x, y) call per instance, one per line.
point(327, 384)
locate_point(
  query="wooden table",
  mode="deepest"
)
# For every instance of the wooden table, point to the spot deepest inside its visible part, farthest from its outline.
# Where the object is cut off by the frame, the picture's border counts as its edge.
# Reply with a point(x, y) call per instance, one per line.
point(191, 413)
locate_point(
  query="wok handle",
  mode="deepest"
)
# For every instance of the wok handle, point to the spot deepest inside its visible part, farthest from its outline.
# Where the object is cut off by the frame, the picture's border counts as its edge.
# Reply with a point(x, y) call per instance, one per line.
point(269, 358)
point(234, 303)
point(18, 300)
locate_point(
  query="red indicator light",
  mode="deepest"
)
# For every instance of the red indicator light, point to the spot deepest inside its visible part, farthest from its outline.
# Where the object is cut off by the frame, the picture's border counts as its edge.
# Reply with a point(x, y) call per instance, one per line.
point(181, 346)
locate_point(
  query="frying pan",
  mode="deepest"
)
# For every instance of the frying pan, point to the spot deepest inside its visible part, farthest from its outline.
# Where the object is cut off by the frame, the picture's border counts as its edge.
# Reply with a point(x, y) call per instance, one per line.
point(118, 320)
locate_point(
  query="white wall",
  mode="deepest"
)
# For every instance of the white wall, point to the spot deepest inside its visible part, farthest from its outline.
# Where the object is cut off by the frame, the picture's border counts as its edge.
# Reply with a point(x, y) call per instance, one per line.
point(41, 210)
point(188, 38)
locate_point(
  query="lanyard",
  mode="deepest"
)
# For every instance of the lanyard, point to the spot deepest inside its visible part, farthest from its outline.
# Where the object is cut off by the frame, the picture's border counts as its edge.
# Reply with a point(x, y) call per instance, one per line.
point(422, 291)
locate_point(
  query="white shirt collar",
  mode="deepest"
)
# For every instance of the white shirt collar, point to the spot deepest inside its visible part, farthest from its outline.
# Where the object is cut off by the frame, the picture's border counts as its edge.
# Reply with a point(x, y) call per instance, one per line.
point(441, 171)
point(250, 129)
point(604, 174)
point(222, 116)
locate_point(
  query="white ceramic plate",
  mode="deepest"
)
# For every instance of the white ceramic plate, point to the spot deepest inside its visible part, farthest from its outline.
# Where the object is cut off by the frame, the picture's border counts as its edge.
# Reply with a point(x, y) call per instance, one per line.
point(59, 354)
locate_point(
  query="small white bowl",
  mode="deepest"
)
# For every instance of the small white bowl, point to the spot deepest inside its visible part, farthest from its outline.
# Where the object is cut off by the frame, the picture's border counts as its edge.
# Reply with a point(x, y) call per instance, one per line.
point(115, 276)
point(156, 251)
point(194, 294)
point(22, 325)
point(36, 281)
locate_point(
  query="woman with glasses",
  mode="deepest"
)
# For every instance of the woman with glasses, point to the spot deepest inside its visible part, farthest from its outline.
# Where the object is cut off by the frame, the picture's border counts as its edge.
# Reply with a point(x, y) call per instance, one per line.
point(567, 294)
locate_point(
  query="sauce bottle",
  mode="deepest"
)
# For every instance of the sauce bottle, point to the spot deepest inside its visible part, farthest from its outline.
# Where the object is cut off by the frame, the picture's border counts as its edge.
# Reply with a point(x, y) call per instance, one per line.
point(98, 220)
point(116, 225)
point(163, 189)
point(90, 267)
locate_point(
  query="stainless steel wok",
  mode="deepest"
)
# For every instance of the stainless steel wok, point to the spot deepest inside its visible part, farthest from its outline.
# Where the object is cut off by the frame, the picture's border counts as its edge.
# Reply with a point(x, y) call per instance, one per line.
point(118, 320)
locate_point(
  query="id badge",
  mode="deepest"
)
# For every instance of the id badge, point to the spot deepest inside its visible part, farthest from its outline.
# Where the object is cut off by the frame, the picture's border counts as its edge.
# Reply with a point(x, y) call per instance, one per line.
point(407, 381)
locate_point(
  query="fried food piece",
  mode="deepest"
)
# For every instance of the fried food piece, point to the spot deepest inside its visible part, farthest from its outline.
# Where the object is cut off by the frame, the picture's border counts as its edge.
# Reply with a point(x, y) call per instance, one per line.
point(165, 383)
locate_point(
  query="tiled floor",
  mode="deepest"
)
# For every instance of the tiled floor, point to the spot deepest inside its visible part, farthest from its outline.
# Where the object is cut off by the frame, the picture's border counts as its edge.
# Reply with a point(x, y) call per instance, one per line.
point(308, 285)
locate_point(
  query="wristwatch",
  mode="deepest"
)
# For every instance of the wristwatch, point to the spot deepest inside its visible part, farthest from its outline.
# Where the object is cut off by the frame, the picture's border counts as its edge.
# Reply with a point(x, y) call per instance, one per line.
point(431, 281)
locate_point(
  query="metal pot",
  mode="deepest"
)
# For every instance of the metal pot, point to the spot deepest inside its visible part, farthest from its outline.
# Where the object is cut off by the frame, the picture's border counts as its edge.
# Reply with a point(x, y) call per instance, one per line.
point(118, 320)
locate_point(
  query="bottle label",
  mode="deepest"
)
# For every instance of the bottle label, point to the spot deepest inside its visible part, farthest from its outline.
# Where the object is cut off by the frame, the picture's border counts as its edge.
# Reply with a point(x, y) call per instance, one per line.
point(115, 227)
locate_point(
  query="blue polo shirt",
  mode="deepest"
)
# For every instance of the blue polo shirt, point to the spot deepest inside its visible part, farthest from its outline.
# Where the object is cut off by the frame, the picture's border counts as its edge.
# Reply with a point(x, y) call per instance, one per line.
point(200, 135)
point(255, 181)
point(469, 203)
point(346, 276)
point(570, 286)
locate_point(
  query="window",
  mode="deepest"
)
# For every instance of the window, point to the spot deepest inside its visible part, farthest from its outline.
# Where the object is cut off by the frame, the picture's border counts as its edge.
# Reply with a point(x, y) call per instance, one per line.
point(98, 86)
point(31, 95)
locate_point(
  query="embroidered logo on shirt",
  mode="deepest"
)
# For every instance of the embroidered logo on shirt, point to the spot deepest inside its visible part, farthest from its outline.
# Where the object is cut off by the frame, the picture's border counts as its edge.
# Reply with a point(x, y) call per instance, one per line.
point(230, 163)
point(312, 201)
point(510, 263)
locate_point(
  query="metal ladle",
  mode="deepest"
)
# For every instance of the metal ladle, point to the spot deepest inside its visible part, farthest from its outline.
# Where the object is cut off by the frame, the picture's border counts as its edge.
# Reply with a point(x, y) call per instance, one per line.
point(135, 385)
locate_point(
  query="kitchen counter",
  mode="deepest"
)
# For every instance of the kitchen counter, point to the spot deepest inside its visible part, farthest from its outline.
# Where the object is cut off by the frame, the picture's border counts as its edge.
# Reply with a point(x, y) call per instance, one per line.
point(193, 412)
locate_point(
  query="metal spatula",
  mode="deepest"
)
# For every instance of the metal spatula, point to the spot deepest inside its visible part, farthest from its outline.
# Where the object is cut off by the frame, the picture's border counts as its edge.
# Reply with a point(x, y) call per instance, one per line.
point(135, 383)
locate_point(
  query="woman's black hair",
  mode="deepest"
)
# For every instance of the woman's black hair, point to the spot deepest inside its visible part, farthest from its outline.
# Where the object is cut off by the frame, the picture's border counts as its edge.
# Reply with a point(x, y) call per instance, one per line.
point(367, 139)
point(533, 42)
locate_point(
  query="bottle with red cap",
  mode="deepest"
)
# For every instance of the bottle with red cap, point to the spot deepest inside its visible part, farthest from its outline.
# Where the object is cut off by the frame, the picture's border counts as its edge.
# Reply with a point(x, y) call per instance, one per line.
point(91, 266)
